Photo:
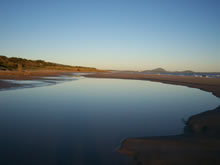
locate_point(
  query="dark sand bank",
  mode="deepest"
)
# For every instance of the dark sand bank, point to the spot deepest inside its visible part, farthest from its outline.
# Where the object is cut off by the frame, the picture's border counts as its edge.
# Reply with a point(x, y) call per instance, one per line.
point(173, 150)
point(198, 145)
point(200, 142)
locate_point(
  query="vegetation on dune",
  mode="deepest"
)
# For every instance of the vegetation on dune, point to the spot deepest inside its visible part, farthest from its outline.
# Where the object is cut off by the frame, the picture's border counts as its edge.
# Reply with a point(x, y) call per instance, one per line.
point(20, 64)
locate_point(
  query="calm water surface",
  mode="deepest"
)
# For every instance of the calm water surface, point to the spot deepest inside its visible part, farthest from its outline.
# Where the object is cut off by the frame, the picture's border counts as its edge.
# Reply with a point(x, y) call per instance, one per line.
point(82, 122)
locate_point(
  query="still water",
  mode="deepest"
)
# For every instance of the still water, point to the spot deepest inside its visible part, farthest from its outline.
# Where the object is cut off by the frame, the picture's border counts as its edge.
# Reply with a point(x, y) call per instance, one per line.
point(83, 121)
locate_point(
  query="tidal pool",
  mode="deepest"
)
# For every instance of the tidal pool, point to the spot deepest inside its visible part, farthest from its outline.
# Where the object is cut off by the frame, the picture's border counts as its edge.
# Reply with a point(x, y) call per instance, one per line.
point(82, 122)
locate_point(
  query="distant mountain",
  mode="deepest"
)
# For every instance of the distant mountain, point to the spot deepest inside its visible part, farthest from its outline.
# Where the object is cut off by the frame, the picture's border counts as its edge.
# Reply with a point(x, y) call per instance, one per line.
point(157, 70)
point(182, 73)
point(14, 63)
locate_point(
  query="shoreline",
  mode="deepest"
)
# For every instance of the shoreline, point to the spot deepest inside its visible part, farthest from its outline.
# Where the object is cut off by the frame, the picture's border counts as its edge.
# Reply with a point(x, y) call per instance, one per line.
point(206, 84)
point(29, 75)
point(33, 74)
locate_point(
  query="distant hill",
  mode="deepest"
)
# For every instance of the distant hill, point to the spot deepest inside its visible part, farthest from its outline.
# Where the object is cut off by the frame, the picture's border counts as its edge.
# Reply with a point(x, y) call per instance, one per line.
point(181, 73)
point(14, 63)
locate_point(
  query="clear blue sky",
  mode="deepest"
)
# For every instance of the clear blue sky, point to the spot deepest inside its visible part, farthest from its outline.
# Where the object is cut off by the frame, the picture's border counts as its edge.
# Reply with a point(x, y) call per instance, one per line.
point(114, 34)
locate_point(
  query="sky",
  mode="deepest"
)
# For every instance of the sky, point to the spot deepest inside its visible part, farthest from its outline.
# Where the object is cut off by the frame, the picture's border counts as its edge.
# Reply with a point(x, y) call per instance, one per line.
point(114, 34)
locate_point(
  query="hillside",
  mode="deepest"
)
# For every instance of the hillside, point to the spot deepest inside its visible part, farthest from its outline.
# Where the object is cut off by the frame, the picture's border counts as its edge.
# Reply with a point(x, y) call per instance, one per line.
point(20, 64)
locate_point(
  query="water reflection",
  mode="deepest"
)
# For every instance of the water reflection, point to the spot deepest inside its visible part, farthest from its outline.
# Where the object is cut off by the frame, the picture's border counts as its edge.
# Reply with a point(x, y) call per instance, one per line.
point(82, 122)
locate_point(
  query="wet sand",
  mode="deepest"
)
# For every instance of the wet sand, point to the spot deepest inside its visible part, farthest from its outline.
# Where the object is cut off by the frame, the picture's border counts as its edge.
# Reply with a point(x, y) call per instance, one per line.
point(28, 75)
point(7, 85)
